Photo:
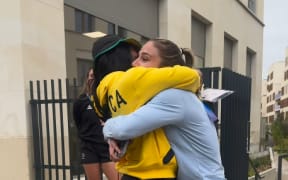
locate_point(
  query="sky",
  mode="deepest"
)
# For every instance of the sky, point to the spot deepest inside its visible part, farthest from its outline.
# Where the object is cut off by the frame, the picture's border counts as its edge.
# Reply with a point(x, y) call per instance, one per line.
point(275, 32)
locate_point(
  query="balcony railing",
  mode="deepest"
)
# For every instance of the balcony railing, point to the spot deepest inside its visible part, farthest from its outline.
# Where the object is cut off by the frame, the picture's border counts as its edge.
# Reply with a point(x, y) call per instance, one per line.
point(277, 107)
point(277, 96)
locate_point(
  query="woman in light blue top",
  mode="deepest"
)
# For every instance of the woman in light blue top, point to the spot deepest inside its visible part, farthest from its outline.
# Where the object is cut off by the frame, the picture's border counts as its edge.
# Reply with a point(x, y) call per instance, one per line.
point(191, 134)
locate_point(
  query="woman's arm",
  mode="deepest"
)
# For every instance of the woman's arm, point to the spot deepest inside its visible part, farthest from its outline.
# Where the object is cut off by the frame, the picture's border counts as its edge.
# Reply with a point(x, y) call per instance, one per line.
point(164, 109)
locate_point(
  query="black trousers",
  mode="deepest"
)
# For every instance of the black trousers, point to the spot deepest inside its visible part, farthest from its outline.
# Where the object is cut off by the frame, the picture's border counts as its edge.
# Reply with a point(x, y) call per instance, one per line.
point(127, 177)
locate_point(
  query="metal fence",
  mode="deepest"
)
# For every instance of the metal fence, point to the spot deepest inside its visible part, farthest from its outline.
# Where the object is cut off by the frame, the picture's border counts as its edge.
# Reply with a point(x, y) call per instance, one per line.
point(280, 158)
point(55, 142)
point(234, 118)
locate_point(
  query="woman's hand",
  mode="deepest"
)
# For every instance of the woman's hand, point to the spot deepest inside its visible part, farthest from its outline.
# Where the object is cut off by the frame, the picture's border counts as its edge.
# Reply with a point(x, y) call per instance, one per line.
point(113, 150)
point(102, 122)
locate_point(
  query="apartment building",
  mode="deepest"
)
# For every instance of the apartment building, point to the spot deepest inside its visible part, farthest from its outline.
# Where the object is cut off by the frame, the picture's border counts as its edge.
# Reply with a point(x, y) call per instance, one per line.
point(284, 90)
point(274, 85)
point(275, 94)
point(46, 39)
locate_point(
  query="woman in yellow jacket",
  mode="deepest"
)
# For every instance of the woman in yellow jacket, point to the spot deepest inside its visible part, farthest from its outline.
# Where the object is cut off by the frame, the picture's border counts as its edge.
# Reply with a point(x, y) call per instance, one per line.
point(148, 156)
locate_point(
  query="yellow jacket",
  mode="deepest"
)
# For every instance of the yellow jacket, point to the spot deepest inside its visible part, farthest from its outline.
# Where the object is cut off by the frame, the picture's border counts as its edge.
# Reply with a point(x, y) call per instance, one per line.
point(127, 91)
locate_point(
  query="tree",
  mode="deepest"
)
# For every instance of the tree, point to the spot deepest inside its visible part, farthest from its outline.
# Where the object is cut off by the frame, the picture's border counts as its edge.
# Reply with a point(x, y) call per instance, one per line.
point(279, 130)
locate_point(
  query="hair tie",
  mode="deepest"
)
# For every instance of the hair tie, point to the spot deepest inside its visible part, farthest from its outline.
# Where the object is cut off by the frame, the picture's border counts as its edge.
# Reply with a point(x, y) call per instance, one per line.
point(181, 51)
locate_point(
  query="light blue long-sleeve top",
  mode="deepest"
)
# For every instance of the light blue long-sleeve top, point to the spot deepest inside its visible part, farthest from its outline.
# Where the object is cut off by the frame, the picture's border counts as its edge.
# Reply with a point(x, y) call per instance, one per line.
point(191, 134)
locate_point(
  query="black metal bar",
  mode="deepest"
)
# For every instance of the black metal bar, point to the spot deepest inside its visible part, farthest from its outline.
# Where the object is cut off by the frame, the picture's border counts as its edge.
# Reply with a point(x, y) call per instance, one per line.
point(40, 131)
point(35, 132)
point(248, 136)
point(55, 167)
point(206, 78)
point(31, 90)
point(257, 175)
point(211, 68)
point(77, 165)
point(75, 90)
point(50, 101)
point(62, 128)
point(207, 75)
point(68, 116)
point(48, 128)
point(216, 79)
point(54, 129)
point(280, 157)
point(249, 121)
point(235, 113)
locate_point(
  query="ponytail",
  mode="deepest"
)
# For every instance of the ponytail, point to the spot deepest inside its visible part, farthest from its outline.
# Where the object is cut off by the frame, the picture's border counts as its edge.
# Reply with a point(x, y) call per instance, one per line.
point(188, 57)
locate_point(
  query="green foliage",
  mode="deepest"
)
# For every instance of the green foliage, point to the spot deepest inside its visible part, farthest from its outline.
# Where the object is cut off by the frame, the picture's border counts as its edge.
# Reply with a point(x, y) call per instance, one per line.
point(261, 164)
point(285, 128)
point(250, 171)
point(279, 130)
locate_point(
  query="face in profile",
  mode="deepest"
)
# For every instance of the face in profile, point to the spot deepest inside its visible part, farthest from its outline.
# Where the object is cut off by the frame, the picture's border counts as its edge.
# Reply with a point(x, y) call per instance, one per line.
point(90, 78)
point(148, 56)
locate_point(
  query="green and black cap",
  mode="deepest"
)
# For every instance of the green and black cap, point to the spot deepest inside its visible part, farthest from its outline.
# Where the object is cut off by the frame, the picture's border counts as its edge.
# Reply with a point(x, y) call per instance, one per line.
point(109, 42)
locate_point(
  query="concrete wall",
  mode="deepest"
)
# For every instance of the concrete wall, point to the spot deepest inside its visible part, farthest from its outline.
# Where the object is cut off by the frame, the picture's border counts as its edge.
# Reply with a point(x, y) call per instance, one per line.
point(224, 17)
point(77, 46)
point(32, 47)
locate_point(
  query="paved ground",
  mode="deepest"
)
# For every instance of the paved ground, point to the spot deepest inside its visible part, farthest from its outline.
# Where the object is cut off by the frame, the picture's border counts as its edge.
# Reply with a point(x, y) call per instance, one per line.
point(284, 167)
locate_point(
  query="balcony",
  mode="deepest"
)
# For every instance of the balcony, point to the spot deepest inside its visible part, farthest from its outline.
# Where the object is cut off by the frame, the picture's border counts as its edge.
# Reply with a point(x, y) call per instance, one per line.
point(276, 107)
point(278, 96)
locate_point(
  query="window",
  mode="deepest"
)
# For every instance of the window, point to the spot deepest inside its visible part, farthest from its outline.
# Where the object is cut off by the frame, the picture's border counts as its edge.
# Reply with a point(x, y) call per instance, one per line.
point(228, 52)
point(270, 108)
point(122, 32)
point(198, 41)
point(111, 28)
point(249, 62)
point(104, 26)
point(252, 5)
point(84, 22)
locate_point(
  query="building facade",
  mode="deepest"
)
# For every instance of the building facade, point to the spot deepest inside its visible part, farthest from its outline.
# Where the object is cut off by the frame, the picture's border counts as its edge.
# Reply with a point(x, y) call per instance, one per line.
point(274, 102)
point(283, 99)
point(275, 94)
point(275, 80)
point(46, 39)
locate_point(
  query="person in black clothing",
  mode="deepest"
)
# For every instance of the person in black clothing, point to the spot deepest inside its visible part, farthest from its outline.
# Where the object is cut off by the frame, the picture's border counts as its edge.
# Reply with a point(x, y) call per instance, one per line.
point(94, 150)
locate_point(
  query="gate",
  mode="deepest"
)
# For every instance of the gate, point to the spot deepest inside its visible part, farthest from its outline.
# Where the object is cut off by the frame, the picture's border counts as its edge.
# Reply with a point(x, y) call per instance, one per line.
point(235, 120)
point(55, 142)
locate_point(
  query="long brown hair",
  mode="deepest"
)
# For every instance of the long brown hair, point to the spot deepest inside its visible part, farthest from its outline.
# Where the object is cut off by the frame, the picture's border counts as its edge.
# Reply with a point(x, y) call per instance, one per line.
point(87, 87)
point(171, 54)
